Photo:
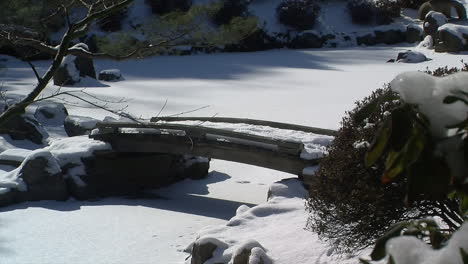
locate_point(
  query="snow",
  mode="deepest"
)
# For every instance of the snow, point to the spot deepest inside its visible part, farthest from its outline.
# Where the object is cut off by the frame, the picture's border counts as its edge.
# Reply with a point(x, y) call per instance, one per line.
point(410, 250)
point(83, 121)
point(440, 18)
point(69, 64)
point(307, 87)
point(271, 226)
point(428, 93)
point(15, 154)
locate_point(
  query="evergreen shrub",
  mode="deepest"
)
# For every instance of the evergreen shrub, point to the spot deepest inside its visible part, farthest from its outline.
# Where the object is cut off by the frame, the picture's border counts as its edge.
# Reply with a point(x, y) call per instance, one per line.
point(298, 14)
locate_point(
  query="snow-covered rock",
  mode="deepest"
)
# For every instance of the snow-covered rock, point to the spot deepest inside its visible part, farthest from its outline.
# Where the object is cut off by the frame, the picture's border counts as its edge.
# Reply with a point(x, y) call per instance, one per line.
point(51, 113)
point(111, 75)
point(433, 21)
point(411, 56)
point(24, 127)
point(79, 125)
point(38, 178)
point(74, 68)
point(453, 38)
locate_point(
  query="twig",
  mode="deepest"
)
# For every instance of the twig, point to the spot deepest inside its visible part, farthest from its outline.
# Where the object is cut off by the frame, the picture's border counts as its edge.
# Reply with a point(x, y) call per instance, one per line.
point(188, 112)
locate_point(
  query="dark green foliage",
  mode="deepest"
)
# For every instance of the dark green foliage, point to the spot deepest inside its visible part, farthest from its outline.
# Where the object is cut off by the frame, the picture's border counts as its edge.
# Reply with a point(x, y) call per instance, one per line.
point(40, 16)
point(386, 11)
point(362, 11)
point(228, 10)
point(368, 11)
point(414, 4)
point(113, 22)
point(162, 7)
point(298, 14)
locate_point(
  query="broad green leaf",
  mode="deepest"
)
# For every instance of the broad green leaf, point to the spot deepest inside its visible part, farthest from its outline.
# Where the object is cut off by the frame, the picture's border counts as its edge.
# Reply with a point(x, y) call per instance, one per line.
point(379, 251)
point(363, 261)
point(391, 260)
point(379, 143)
point(394, 165)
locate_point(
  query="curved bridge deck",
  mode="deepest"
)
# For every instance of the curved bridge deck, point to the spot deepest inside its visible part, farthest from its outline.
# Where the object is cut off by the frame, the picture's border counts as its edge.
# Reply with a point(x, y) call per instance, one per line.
point(206, 142)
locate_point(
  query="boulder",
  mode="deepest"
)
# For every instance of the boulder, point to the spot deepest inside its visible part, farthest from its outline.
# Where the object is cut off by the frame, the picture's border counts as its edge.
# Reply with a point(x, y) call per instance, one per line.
point(112, 75)
point(196, 167)
point(202, 251)
point(51, 113)
point(23, 127)
point(306, 40)
point(79, 125)
point(411, 56)
point(452, 38)
point(43, 178)
point(433, 21)
point(414, 33)
point(74, 68)
point(250, 252)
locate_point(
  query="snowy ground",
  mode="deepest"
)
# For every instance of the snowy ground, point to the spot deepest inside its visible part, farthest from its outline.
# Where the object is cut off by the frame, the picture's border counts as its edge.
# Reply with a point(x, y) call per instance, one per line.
point(308, 87)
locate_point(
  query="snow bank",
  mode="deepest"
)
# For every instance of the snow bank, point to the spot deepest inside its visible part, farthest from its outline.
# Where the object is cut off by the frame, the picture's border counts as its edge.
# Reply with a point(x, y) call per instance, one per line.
point(274, 230)
point(428, 92)
point(15, 154)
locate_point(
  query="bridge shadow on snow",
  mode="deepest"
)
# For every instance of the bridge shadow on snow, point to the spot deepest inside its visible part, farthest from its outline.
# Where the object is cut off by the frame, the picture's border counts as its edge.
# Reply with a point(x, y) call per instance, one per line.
point(184, 197)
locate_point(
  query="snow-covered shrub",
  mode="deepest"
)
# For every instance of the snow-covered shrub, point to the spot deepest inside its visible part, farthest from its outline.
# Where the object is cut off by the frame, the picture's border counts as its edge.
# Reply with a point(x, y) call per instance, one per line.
point(228, 10)
point(349, 206)
point(161, 7)
point(431, 156)
point(299, 14)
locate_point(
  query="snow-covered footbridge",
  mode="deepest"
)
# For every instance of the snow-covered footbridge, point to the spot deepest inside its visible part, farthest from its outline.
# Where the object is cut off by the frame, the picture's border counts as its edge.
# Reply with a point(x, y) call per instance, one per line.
point(199, 140)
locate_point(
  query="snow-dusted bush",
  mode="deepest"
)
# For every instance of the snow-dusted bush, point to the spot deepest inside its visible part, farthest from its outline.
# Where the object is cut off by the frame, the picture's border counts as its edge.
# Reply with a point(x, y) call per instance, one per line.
point(161, 7)
point(228, 10)
point(349, 206)
point(299, 14)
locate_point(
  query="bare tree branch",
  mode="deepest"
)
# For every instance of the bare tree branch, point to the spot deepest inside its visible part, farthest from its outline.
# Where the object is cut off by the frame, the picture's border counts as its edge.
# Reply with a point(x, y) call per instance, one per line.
point(72, 33)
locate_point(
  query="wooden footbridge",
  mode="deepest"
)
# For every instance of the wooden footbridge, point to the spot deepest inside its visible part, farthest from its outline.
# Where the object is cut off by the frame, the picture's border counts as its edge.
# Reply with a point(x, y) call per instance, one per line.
point(196, 140)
